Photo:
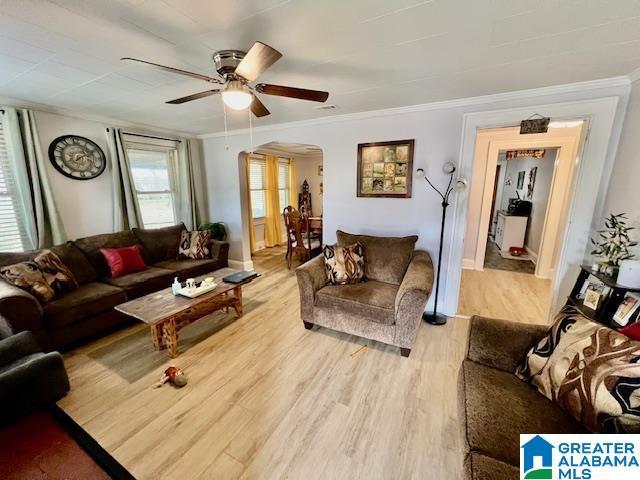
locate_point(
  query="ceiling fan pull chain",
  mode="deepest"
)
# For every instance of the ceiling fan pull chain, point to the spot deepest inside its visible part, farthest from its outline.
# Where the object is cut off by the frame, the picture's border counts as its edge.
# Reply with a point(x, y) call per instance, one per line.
point(250, 131)
point(226, 135)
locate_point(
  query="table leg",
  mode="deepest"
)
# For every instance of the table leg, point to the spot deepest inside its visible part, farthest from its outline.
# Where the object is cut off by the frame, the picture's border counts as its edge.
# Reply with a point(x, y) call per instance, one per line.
point(170, 337)
point(237, 305)
point(156, 337)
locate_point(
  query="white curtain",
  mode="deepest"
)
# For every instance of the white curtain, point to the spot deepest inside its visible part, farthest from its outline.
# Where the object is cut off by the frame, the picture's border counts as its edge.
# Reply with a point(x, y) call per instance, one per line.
point(126, 212)
point(43, 224)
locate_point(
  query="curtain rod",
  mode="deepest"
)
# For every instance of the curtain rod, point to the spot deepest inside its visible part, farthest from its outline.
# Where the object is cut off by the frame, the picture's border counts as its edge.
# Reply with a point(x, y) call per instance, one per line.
point(152, 136)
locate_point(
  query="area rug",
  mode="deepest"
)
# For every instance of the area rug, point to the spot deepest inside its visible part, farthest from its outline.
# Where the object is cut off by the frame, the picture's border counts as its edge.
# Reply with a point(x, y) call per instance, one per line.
point(49, 445)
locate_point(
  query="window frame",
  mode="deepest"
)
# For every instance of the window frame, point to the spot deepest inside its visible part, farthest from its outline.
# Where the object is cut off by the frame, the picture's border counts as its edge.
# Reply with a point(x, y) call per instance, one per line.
point(171, 154)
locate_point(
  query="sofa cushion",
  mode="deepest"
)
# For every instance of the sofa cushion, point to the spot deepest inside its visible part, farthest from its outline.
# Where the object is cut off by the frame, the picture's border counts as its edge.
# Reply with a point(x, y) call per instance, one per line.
point(189, 267)
point(386, 258)
point(373, 300)
point(86, 301)
point(480, 467)
point(590, 370)
point(91, 246)
point(344, 265)
point(498, 407)
point(69, 254)
point(161, 243)
point(141, 283)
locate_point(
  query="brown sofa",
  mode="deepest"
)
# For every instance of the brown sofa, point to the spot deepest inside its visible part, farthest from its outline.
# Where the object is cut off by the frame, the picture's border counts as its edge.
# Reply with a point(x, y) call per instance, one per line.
point(88, 311)
point(496, 406)
point(388, 307)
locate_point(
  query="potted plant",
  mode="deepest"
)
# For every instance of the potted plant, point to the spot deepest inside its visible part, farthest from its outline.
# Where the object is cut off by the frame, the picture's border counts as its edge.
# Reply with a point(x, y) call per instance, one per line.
point(613, 243)
point(217, 230)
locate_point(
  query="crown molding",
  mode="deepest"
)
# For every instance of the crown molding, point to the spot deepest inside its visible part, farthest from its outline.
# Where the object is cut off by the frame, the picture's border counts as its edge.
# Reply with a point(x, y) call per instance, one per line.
point(110, 121)
point(619, 81)
point(634, 76)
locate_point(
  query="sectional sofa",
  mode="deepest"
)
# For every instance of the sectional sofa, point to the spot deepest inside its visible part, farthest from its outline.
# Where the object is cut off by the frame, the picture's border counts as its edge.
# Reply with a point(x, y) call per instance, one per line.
point(88, 311)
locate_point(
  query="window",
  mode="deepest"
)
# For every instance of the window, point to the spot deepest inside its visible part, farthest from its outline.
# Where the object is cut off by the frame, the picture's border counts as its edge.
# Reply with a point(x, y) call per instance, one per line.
point(258, 186)
point(12, 228)
point(153, 172)
point(283, 182)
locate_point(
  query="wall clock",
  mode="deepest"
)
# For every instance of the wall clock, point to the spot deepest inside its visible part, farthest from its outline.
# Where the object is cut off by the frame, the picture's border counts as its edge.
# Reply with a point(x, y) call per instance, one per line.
point(77, 157)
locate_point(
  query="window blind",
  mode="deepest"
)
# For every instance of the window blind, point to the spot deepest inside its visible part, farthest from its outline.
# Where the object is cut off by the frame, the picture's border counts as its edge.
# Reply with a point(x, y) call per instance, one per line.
point(258, 186)
point(12, 229)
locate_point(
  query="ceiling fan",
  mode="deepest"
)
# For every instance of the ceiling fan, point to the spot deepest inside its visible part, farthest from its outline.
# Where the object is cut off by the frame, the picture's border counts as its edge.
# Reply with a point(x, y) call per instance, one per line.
point(237, 69)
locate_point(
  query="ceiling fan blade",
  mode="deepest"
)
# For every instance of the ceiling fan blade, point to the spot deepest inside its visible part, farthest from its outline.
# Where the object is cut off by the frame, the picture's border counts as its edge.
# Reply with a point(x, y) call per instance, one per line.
point(260, 57)
point(199, 76)
point(195, 96)
point(292, 92)
point(258, 108)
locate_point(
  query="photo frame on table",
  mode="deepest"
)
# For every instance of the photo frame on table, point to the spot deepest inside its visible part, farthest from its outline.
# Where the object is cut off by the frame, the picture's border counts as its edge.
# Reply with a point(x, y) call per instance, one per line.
point(627, 309)
point(385, 169)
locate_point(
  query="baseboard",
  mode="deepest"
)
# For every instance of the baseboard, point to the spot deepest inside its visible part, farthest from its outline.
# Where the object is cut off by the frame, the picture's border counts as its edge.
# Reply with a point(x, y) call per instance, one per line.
point(240, 265)
point(532, 255)
point(468, 263)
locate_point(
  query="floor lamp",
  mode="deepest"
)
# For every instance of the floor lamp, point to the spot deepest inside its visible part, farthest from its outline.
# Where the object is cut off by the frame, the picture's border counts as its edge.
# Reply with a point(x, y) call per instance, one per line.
point(448, 168)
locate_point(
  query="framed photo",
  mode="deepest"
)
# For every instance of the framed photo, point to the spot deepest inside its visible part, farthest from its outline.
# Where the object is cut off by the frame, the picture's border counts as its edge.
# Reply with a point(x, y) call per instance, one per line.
point(627, 308)
point(385, 169)
point(520, 185)
point(532, 182)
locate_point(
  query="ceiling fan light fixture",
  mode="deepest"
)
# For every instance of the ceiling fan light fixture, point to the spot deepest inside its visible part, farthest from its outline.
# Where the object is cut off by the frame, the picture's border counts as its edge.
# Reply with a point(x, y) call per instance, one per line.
point(236, 96)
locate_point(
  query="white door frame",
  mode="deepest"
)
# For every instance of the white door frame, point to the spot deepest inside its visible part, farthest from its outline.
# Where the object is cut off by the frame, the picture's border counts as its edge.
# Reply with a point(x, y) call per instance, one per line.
point(590, 167)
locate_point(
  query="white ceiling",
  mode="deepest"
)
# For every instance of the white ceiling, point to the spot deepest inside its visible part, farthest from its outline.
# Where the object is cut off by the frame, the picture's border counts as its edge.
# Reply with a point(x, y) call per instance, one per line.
point(369, 54)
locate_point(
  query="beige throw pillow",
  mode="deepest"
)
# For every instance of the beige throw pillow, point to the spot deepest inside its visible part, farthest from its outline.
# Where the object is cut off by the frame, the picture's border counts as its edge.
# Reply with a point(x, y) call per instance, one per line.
point(344, 265)
point(194, 245)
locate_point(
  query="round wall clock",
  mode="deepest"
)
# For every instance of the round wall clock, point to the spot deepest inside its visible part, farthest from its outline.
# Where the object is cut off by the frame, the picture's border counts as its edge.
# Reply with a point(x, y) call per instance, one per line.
point(77, 157)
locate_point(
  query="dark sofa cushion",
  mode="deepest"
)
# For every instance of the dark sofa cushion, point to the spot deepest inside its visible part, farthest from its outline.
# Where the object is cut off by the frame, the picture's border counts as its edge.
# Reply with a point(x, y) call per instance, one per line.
point(160, 243)
point(373, 300)
point(91, 246)
point(70, 255)
point(84, 302)
point(141, 283)
point(189, 267)
point(499, 407)
point(480, 467)
point(386, 259)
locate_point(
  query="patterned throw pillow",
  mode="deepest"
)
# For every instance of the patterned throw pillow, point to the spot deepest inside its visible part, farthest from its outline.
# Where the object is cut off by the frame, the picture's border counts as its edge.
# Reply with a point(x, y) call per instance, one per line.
point(591, 371)
point(45, 277)
point(344, 265)
point(194, 245)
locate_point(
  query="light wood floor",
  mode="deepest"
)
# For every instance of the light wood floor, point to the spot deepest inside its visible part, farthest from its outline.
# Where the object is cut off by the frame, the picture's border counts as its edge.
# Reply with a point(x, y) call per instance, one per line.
point(512, 296)
point(268, 399)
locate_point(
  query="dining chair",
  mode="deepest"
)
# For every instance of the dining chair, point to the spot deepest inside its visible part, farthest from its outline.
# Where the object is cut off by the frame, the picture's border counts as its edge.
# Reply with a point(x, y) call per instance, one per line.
point(300, 238)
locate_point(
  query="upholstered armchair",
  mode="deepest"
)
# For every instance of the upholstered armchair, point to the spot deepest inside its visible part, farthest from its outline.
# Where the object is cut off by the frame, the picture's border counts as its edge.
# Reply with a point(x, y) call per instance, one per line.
point(387, 307)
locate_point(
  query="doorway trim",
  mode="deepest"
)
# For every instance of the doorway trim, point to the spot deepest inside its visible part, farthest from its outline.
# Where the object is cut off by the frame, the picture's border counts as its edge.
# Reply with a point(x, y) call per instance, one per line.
point(599, 148)
point(559, 195)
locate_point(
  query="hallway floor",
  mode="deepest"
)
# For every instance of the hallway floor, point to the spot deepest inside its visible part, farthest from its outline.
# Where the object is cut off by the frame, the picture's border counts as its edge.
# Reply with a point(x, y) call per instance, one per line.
point(495, 261)
point(516, 296)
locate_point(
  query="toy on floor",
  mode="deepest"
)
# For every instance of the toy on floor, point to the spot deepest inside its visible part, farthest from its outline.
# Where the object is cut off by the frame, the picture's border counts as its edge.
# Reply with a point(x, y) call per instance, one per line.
point(174, 376)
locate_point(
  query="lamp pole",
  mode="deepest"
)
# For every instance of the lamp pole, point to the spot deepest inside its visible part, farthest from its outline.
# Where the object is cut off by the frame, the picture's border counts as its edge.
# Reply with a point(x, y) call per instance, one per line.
point(449, 168)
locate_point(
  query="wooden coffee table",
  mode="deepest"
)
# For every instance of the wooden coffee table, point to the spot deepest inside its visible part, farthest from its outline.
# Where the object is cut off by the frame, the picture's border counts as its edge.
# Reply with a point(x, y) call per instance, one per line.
point(166, 313)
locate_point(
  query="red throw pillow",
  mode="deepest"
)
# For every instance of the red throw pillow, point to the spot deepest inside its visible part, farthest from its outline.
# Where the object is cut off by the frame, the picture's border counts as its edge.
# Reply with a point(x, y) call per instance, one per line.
point(632, 331)
point(123, 261)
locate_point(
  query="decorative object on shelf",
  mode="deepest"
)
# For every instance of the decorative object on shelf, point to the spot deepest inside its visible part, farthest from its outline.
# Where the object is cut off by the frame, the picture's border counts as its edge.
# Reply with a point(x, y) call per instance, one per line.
point(627, 310)
point(77, 157)
point(629, 274)
point(449, 168)
point(304, 201)
point(384, 169)
point(534, 125)
point(614, 242)
point(320, 170)
point(520, 184)
point(532, 182)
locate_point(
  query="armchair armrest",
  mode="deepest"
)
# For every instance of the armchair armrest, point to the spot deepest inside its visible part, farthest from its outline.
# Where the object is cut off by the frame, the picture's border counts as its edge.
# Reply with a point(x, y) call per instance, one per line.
point(17, 346)
point(220, 252)
point(20, 309)
point(412, 298)
point(501, 344)
point(311, 278)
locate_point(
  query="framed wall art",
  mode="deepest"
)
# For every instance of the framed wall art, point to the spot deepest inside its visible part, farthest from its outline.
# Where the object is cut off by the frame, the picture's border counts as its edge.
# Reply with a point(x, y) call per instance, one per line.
point(385, 169)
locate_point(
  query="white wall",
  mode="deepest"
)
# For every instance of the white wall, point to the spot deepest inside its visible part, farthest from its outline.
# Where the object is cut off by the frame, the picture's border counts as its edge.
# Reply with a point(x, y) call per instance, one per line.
point(85, 205)
point(541, 191)
point(437, 130)
point(623, 193)
point(308, 170)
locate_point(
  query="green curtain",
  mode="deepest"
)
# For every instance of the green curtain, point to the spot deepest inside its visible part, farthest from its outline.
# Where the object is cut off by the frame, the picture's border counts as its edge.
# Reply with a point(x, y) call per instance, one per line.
point(126, 212)
point(43, 223)
point(190, 178)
